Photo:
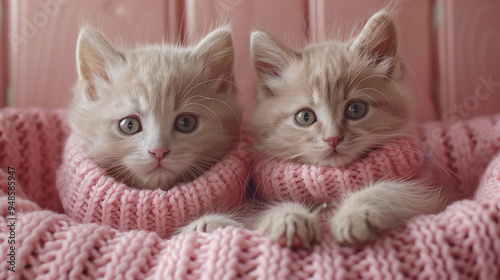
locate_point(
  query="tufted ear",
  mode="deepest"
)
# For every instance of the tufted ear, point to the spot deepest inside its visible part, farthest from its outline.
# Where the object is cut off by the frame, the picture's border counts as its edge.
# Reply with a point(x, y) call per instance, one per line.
point(270, 56)
point(95, 56)
point(217, 50)
point(378, 39)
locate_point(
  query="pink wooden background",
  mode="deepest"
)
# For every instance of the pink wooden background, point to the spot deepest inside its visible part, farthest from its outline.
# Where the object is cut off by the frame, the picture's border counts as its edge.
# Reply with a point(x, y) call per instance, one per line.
point(469, 58)
point(450, 46)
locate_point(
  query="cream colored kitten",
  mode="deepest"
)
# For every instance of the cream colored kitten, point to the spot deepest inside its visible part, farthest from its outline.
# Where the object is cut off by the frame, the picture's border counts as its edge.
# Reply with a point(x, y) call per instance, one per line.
point(156, 115)
point(329, 104)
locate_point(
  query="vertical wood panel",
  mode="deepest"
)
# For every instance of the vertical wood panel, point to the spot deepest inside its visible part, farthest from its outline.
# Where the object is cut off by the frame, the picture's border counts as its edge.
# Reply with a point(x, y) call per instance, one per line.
point(469, 57)
point(42, 41)
point(341, 19)
point(286, 19)
point(3, 53)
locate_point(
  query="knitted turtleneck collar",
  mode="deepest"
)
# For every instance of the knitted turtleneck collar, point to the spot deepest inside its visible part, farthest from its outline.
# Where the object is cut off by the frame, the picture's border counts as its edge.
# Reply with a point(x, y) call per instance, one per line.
point(277, 180)
point(89, 195)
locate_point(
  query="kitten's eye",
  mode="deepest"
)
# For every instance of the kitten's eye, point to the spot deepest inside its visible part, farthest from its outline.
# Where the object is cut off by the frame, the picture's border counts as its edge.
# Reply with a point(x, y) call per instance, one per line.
point(130, 125)
point(305, 117)
point(356, 110)
point(186, 123)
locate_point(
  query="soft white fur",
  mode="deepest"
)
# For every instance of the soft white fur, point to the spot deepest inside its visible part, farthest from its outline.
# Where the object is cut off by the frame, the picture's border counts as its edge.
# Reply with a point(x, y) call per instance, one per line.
point(365, 214)
point(325, 77)
point(292, 224)
point(156, 83)
point(210, 222)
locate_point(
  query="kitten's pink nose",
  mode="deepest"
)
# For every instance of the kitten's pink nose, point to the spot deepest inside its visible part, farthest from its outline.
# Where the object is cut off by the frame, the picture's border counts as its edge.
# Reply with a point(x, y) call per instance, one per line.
point(159, 153)
point(334, 141)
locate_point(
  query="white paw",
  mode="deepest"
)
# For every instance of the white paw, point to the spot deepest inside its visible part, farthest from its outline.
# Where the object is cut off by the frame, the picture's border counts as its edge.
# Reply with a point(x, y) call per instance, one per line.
point(385, 205)
point(209, 223)
point(356, 226)
point(291, 224)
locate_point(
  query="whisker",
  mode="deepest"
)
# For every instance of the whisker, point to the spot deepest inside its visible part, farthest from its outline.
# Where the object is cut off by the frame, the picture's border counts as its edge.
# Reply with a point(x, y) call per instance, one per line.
point(381, 93)
point(216, 116)
point(204, 82)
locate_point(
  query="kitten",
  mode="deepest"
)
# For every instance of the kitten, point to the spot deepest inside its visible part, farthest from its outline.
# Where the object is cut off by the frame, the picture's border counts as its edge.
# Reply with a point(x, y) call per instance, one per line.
point(329, 104)
point(156, 115)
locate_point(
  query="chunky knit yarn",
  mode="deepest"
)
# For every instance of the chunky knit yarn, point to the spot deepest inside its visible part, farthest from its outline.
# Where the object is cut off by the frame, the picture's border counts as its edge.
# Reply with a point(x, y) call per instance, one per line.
point(89, 195)
point(462, 242)
point(463, 148)
point(277, 180)
point(32, 140)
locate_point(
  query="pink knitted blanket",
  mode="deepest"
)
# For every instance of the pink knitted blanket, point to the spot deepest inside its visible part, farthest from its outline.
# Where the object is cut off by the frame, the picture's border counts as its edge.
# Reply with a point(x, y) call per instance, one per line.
point(462, 242)
point(89, 195)
point(279, 181)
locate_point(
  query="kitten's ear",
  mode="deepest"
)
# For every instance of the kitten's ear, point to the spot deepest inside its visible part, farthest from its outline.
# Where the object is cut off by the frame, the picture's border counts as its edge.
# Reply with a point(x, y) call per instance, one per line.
point(217, 50)
point(378, 39)
point(95, 56)
point(270, 56)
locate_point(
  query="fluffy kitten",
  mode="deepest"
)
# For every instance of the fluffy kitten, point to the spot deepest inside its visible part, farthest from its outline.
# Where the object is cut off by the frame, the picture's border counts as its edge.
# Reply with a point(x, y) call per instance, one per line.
point(156, 115)
point(329, 104)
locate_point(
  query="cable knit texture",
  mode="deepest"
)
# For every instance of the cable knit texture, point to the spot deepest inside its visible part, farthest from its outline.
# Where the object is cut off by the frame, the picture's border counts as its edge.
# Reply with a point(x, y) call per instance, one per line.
point(462, 242)
point(303, 182)
point(89, 195)
point(32, 140)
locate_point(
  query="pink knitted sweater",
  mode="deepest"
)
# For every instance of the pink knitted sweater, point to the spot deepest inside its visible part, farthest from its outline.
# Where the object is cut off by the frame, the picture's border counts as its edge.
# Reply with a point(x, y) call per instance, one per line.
point(89, 195)
point(303, 182)
point(462, 242)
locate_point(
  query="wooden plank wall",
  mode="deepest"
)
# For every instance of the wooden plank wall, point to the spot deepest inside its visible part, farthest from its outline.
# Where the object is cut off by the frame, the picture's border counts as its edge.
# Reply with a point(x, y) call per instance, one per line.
point(444, 68)
point(469, 58)
point(43, 68)
point(4, 63)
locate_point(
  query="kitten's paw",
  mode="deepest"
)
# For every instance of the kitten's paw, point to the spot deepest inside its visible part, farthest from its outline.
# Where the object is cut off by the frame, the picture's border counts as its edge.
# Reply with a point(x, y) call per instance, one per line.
point(291, 224)
point(385, 205)
point(209, 223)
point(356, 226)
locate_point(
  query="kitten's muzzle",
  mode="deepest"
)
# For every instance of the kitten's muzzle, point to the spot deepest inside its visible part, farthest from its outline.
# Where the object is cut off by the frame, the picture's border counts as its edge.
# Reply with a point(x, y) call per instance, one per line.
point(334, 141)
point(159, 153)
